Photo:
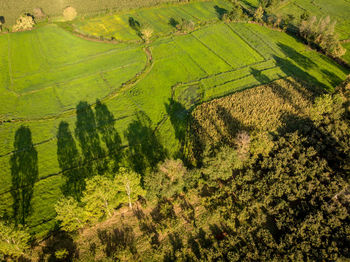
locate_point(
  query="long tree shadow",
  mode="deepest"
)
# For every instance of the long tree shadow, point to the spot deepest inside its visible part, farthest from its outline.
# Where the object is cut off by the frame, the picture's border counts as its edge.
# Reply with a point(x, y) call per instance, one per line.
point(259, 76)
point(86, 133)
point(24, 174)
point(220, 11)
point(332, 78)
point(232, 125)
point(144, 151)
point(178, 115)
point(69, 162)
point(173, 22)
point(319, 137)
point(147, 227)
point(119, 239)
point(297, 57)
point(109, 135)
point(292, 70)
point(135, 25)
point(59, 241)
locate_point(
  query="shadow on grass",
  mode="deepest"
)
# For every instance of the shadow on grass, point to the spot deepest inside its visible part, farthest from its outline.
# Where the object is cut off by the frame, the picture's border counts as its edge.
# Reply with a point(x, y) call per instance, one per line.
point(259, 76)
point(69, 162)
point(91, 128)
point(144, 151)
point(220, 11)
point(89, 140)
point(173, 22)
point(291, 69)
point(135, 25)
point(297, 57)
point(24, 174)
point(332, 78)
point(109, 135)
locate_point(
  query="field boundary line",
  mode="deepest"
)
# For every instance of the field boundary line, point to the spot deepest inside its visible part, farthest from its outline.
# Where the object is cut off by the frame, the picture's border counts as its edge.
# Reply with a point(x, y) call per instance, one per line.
point(205, 45)
point(9, 59)
point(88, 58)
point(242, 77)
point(185, 11)
point(195, 62)
point(124, 86)
point(76, 78)
point(247, 42)
point(56, 95)
point(222, 73)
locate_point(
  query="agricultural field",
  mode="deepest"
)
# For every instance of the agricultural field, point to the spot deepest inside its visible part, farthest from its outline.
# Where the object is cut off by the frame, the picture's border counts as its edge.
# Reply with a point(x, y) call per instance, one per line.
point(11, 10)
point(60, 70)
point(162, 20)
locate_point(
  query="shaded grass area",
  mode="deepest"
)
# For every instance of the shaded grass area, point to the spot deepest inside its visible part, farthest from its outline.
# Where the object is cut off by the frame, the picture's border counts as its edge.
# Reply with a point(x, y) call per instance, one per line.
point(185, 71)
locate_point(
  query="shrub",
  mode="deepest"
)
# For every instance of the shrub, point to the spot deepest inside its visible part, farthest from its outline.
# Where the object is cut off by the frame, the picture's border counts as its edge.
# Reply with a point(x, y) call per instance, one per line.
point(69, 13)
point(23, 23)
point(38, 13)
point(146, 34)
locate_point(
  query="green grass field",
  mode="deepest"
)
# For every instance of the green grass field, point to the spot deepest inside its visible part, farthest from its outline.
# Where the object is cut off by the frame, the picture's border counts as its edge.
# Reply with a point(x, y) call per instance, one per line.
point(45, 72)
point(11, 11)
point(117, 26)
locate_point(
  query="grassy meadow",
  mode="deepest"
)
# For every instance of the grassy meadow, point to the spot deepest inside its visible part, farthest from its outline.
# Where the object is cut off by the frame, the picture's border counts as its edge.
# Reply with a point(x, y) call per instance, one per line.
point(11, 11)
point(46, 72)
point(162, 20)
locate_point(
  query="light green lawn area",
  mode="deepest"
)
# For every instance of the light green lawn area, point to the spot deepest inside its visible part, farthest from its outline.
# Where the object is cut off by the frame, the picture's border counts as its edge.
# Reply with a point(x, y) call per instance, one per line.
point(48, 70)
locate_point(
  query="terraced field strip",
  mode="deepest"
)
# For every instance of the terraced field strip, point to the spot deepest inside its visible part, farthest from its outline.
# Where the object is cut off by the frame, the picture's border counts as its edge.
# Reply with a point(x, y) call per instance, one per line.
point(256, 41)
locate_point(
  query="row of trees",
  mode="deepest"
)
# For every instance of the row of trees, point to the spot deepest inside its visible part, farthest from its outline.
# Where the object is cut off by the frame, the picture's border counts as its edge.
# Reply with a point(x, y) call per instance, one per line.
point(321, 32)
point(101, 197)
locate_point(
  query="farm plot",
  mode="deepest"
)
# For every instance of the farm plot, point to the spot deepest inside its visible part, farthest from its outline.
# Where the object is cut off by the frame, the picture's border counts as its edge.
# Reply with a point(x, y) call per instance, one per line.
point(211, 62)
point(48, 70)
point(161, 19)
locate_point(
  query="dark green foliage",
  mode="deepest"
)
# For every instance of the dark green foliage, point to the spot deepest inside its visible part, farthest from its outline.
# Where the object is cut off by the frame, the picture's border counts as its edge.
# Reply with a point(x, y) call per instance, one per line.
point(109, 135)
point(69, 161)
point(24, 174)
point(145, 150)
point(86, 133)
point(167, 181)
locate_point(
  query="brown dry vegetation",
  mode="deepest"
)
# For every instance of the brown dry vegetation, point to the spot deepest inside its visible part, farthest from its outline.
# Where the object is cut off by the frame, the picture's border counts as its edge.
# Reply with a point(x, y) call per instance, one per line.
point(256, 110)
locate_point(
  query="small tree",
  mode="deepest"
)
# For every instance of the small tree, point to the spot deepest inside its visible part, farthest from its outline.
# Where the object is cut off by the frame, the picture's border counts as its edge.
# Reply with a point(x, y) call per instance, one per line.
point(259, 13)
point(146, 34)
point(128, 182)
point(69, 13)
point(242, 144)
point(168, 180)
point(71, 215)
point(101, 196)
point(13, 241)
point(38, 13)
point(23, 23)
